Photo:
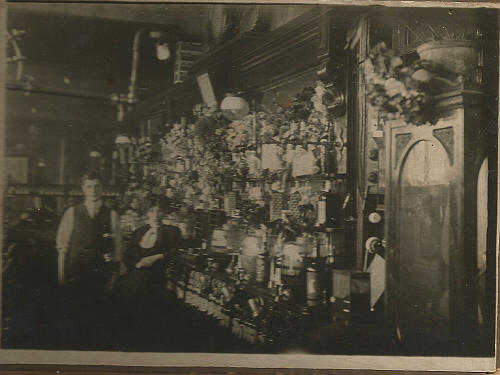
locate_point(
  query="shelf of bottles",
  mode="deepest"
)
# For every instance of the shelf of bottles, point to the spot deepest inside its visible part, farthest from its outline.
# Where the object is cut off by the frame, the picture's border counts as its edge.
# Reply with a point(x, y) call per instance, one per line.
point(217, 286)
point(267, 299)
point(270, 220)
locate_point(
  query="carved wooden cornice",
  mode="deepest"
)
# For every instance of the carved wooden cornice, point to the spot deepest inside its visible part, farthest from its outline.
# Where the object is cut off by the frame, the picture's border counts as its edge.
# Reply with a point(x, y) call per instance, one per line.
point(457, 99)
point(303, 44)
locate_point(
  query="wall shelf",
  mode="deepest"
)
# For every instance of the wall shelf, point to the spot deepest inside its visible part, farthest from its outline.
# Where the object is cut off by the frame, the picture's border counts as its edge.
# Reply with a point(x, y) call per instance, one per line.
point(54, 190)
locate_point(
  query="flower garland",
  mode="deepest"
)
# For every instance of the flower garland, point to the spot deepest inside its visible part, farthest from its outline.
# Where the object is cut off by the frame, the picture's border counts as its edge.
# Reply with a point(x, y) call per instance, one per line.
point(394, 88)
point(199, 160)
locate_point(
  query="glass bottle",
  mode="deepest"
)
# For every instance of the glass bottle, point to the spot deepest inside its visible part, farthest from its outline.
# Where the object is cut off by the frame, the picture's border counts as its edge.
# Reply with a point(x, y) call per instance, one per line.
point(313, 280)
point(328, 208)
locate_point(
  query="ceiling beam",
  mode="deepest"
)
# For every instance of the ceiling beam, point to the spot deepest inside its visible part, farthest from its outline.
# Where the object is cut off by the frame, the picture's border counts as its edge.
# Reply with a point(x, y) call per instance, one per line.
point(180, 21)
point(58, 92)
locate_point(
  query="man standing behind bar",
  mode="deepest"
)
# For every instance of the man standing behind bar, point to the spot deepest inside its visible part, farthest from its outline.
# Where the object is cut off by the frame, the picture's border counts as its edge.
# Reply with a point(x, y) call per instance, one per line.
point(89, 246)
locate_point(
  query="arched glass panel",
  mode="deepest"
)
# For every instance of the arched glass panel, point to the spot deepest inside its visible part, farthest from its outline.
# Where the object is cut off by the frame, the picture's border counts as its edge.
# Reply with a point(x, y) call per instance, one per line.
point(424, 240)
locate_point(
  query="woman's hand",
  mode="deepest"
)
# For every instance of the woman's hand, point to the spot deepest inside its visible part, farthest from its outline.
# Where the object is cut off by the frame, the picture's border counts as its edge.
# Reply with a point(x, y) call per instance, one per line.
point(147, 262)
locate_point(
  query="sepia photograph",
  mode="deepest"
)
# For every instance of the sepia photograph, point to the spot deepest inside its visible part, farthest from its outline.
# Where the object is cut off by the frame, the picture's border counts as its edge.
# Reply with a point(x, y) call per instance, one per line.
point(235, 183)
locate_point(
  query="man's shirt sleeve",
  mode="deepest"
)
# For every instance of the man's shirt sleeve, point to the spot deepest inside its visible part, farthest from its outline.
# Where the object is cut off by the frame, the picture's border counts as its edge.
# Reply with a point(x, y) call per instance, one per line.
point(64, 231)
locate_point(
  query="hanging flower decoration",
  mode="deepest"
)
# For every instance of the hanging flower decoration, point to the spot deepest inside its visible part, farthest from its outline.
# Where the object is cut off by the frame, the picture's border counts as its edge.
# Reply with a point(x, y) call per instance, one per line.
point(395, 89)
point(240, 133)
point(320, 110)
point(199, 160)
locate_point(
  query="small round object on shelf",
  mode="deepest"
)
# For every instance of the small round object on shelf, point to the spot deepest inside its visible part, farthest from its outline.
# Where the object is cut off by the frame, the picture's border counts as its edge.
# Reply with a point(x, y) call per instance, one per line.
point(374, 218)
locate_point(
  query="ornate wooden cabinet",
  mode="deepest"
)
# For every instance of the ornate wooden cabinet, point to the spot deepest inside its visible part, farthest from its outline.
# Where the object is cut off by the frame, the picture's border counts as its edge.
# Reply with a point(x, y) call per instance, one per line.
point(434, 241)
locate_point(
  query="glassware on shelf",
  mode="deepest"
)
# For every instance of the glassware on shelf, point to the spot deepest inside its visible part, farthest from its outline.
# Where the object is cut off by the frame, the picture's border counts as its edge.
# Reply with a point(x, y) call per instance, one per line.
point(330, 258)
point(271, 283)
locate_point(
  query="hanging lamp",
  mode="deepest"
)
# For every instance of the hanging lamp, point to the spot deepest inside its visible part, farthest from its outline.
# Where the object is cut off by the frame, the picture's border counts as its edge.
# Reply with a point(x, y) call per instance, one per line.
point(234, 107)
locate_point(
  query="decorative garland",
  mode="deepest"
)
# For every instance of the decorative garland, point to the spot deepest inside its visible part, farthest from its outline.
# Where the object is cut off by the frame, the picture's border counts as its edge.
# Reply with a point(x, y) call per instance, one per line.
point(198, 162)
point(397, 90)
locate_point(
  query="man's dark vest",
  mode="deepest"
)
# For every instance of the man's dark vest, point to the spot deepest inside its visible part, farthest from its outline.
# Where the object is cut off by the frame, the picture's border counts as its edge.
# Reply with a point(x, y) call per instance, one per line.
point(90, 240)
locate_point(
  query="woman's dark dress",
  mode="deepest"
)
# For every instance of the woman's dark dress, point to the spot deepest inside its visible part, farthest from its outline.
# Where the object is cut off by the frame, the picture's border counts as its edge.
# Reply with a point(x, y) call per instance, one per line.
point(148, 281)
point(146, 321)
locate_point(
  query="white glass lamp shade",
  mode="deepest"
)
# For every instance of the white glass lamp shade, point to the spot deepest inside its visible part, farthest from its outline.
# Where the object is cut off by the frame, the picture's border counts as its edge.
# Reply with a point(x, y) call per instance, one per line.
point(162, 51)
point(234, 107)
point(95, 154)
point(123, 140)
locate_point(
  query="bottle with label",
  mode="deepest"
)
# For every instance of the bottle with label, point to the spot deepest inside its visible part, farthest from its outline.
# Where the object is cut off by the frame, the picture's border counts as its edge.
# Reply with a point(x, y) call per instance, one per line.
point(329, 267)
point(313, 280)
point(321, 209)
point(330, 257)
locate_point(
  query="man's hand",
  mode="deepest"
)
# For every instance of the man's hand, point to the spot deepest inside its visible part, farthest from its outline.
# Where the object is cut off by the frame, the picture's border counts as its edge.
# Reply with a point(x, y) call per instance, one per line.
point(60, 266)
point(147, 262)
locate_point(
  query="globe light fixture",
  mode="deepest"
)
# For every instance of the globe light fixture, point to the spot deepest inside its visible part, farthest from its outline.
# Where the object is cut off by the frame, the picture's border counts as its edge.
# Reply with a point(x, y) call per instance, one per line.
point(234, 107)
point(162, 51)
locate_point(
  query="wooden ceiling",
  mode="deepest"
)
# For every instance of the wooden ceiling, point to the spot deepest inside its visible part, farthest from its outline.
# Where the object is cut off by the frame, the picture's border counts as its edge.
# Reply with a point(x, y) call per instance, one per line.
point(79, 54)
point(76, 62)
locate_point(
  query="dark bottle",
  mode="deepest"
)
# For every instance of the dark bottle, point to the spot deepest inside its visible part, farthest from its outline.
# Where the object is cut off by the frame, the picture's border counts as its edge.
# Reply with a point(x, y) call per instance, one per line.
point(329, 160)
point(328, 208)
point(330, 257)
point(350, 225)
point(326, 314)
point(330, 265)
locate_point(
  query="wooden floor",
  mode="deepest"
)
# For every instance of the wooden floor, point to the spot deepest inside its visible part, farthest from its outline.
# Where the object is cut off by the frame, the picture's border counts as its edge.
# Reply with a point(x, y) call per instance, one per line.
point(33, 318)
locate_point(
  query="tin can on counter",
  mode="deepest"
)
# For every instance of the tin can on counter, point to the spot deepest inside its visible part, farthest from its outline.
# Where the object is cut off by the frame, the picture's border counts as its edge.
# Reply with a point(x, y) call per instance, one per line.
point(313, 287)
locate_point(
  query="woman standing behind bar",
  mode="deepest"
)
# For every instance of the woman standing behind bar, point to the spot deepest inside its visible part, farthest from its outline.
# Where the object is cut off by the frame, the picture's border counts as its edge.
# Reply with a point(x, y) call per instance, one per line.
point(146, 323)
point(152, 246)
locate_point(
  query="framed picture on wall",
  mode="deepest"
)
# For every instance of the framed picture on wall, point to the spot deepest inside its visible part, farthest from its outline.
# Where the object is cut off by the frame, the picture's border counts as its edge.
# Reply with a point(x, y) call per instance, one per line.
point(16, 169)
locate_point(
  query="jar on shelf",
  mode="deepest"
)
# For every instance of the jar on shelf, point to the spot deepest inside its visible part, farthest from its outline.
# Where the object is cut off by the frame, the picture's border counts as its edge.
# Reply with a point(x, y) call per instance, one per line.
point(253, 162)
point(230, 202)
point(180, 165)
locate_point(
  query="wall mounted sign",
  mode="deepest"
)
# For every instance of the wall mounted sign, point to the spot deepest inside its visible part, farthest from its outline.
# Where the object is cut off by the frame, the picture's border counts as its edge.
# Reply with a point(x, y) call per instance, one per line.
point(207, 92)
